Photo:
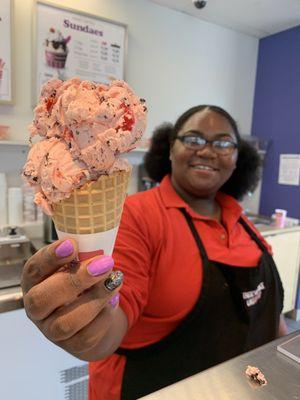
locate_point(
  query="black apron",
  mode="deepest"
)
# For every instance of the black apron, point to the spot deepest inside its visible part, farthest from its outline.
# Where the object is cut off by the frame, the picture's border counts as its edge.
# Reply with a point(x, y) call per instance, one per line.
point(238, 309)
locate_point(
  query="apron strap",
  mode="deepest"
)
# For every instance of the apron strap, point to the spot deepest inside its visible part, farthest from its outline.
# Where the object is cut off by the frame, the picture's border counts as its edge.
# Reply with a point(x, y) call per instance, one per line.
point(195, 234)
point(253, 235)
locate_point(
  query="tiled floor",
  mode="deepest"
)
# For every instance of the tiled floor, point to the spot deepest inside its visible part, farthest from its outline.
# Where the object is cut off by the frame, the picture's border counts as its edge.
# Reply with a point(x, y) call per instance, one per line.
point(292, 324)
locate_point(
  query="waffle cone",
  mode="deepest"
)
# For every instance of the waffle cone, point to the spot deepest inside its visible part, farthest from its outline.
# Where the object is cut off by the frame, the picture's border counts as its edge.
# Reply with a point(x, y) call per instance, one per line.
point(95, 207)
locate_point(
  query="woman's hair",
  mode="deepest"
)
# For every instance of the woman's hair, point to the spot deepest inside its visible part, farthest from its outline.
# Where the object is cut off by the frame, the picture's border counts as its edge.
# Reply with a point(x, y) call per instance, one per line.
point(246, 174)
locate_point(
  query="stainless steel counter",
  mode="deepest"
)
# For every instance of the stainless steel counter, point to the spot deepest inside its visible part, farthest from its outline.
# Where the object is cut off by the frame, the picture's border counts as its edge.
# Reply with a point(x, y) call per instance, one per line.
point(267, 230)
point(11, 299)
point(227, 381)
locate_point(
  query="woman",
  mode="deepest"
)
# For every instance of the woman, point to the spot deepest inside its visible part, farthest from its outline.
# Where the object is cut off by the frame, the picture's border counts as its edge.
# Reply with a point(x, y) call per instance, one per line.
point(200, 284)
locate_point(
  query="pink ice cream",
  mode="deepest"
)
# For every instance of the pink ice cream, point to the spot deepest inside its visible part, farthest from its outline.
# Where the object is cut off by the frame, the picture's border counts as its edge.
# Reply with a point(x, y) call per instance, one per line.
point(84, 127)
point(256, 375)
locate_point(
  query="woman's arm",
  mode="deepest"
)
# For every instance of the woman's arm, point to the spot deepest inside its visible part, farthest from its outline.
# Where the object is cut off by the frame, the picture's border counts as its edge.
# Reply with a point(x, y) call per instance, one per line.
point(72, 305)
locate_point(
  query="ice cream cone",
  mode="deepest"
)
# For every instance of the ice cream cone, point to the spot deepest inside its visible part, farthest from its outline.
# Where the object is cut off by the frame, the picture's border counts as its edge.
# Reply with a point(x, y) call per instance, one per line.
point(77, 168)
point(92, 213)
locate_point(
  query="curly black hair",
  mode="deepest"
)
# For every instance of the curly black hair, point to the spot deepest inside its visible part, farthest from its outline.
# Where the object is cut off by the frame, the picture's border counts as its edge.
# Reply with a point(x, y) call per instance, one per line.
point(248, 168)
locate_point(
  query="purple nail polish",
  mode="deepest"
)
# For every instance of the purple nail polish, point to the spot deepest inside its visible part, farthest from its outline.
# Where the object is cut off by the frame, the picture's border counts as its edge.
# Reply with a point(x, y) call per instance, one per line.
point(100, 265)
point(65, 249)
point(114, 300)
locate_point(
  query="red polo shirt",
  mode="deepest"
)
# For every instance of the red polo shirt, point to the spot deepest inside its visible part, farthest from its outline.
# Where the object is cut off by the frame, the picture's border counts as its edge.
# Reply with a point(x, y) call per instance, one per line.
point(163, 269)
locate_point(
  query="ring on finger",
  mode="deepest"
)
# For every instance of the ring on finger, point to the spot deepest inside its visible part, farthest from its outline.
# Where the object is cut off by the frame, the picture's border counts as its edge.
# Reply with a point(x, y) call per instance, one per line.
point(73, 282)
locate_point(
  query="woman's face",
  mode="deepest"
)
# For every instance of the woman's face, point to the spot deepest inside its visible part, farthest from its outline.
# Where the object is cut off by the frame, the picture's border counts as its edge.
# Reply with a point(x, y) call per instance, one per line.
point(201, 173)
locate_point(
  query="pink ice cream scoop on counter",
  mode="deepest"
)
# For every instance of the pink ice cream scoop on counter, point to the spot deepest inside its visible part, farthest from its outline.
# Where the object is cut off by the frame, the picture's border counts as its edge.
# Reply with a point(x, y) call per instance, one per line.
point(255, 375)
point(83, 129)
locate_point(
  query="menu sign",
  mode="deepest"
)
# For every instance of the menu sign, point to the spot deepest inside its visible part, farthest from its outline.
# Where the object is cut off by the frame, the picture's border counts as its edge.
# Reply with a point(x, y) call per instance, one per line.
point(70, 43)
point(5, 51)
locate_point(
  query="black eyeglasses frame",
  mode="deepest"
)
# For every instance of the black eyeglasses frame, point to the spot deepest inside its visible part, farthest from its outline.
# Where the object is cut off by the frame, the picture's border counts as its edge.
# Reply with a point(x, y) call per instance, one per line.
point(230, 150)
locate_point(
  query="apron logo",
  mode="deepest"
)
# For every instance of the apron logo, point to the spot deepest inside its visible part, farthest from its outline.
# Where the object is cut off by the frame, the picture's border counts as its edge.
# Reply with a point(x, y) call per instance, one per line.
point(253, 296)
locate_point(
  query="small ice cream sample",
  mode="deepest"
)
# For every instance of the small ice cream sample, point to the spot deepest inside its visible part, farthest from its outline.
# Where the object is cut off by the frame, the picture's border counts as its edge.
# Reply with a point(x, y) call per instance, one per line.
point(56, 50)
point(84, 127)
point(256, 375)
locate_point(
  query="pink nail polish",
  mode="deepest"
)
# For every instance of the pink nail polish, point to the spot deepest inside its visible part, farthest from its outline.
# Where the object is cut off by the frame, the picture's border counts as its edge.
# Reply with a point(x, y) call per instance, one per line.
point(114, 300)
point(100, 265)
point(65, 249)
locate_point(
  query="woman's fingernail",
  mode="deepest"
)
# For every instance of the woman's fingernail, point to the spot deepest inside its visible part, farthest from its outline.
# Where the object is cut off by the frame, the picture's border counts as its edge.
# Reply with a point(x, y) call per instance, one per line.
point(114, 300)
point(65, 249)
point(100, 265)
point(114, 280)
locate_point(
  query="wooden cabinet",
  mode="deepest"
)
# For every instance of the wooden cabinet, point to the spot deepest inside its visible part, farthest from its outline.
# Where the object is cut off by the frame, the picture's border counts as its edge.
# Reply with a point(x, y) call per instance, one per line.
point(286, 253)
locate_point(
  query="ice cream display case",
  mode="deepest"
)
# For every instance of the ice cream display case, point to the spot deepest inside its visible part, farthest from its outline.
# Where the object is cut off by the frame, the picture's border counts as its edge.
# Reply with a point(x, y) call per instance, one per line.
point(14, 251)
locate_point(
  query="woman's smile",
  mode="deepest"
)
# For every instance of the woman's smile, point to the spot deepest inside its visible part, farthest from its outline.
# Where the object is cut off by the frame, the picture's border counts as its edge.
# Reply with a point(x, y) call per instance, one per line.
point(203, 167)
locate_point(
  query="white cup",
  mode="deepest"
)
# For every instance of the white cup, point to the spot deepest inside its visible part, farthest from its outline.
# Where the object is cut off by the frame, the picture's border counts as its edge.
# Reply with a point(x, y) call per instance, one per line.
point(280, 216)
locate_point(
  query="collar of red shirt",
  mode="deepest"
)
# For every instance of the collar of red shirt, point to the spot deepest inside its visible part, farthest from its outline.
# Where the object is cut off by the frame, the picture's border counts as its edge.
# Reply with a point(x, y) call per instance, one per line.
point(231, 210)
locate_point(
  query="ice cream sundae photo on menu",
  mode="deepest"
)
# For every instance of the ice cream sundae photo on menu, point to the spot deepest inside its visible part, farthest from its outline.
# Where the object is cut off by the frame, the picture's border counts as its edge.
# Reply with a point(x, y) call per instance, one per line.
point(76, 169)
point(56, 49)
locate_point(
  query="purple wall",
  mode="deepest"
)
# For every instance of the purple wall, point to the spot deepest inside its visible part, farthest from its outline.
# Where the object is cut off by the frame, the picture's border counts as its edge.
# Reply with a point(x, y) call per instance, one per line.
point(276, 115)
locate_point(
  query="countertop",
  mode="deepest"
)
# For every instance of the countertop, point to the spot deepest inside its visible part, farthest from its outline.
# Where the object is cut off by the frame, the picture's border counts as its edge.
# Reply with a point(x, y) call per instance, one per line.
point(227, 381)
point(11, 299)
point(267, 230)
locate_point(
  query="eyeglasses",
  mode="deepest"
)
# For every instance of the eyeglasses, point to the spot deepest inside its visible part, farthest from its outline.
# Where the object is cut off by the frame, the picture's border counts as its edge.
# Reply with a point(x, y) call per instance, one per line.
point(223, 147)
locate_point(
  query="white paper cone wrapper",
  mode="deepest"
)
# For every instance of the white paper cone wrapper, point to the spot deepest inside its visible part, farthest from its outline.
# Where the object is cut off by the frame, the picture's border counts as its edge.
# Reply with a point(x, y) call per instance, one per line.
point(92, 243)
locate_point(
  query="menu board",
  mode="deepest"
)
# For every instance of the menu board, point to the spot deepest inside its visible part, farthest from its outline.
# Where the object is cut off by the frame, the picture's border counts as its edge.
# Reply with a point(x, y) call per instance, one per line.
point(5, 51)
point(70, 43)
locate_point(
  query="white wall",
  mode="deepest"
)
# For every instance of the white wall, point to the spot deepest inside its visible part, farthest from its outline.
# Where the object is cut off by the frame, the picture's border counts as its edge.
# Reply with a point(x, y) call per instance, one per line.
point(174, 61)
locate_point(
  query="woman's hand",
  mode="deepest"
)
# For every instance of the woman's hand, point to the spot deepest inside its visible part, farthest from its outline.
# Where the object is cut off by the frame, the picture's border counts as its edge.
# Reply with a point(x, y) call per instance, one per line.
point(73, 304)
